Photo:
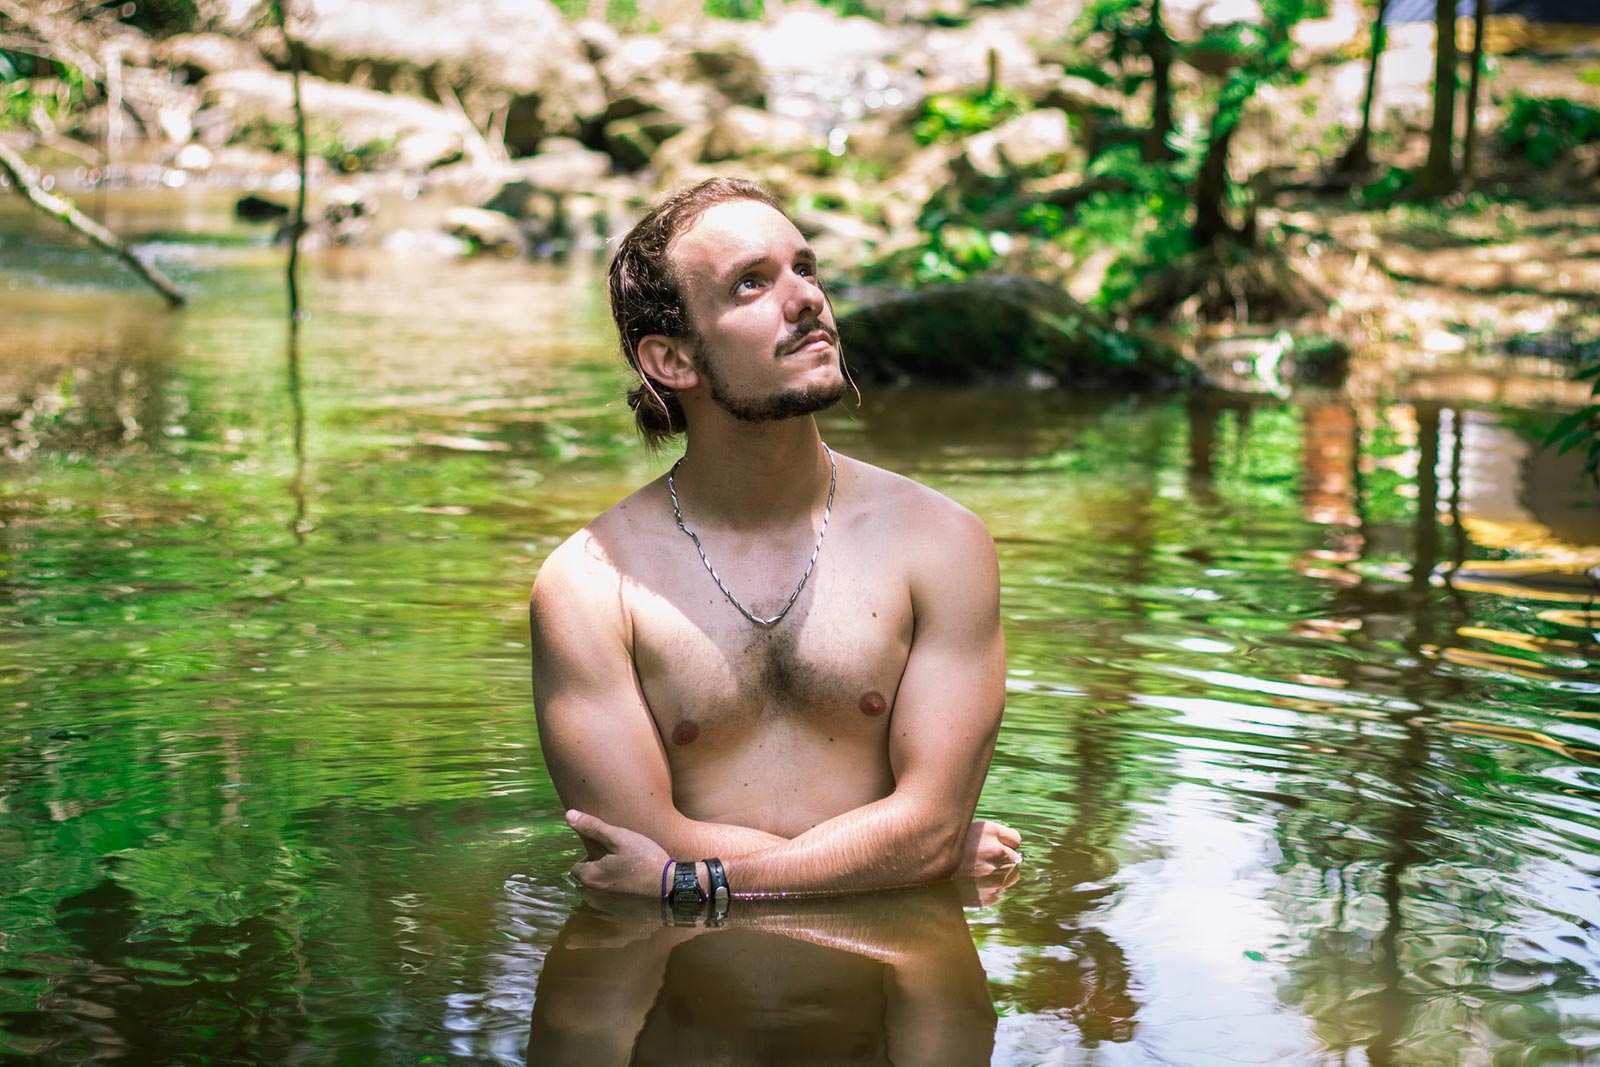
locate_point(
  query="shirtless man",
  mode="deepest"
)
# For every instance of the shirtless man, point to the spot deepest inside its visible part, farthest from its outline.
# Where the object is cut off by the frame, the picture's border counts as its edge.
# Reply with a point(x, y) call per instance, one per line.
point(775, 656)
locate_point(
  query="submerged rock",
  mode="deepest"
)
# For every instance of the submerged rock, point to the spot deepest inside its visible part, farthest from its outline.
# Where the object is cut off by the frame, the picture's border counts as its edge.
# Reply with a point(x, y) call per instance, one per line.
point(1001, 328)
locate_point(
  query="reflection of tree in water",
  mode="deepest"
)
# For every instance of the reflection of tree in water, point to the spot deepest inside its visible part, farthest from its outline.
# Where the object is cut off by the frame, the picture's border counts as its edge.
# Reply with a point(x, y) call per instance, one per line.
point(1072, 968)
point(96, 402)
point(1379, 817)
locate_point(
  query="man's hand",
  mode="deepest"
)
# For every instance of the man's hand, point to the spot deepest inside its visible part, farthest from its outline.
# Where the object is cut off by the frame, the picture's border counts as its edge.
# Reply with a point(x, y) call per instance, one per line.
point(628, 862)
point(989, 847)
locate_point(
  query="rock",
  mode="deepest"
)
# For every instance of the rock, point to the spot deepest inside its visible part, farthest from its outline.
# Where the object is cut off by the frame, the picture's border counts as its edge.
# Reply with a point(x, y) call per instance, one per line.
point(883, 141)
point(193, 157)
point(656, 74)
point(677, 160)
point(196, 55)
point(254, 208)
point(1001, 328)
point(598, 39)
point(1079, 97)
point(258, 108)
point(742, 132)
point(632, 142)
point(731, 70)
point(838, 238)
point(801, 40)
point(907, 188)
point(958, 60)
point(564, 166)
point(1034, 143)
point(486, 231)
point(516, 54)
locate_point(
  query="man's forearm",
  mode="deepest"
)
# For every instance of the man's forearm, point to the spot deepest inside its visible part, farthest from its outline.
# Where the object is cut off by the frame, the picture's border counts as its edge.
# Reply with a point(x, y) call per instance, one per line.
point(688, 839)
point(893, 842)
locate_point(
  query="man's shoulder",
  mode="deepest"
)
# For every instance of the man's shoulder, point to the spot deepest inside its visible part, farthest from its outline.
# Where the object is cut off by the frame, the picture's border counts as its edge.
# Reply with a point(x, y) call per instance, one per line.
point(914, 512)
point(592, 561)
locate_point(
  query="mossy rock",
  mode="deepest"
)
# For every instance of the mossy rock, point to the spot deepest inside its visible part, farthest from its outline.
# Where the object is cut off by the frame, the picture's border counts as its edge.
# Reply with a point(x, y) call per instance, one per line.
point(1002, 328)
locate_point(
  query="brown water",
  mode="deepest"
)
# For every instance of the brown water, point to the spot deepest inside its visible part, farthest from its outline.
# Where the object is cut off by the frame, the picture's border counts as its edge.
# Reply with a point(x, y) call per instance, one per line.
point(1301, 729)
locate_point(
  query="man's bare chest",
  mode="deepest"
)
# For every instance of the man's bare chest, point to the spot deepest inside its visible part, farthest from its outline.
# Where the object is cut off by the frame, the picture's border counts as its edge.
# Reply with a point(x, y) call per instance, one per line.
point(829, 670)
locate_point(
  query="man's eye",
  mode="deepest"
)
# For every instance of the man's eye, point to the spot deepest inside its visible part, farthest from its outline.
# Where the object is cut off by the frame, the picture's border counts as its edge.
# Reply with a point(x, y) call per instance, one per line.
point(745, 285)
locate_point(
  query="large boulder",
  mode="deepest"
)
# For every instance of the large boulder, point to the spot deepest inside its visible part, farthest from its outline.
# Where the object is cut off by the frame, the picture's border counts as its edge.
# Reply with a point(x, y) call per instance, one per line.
point(520, 55)
point(687, 79)
point(1001, 328)
point(1032, 144)
point(742, 132)
point(257, 108)
point(633, 142)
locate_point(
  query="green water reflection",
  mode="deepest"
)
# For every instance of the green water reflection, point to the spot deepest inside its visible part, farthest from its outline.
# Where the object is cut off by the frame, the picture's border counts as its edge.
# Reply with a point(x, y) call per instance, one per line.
point(1301, 730)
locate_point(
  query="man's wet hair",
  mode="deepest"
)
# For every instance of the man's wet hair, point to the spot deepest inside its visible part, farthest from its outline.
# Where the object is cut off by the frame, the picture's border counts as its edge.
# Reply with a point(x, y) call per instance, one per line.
point(647, 296)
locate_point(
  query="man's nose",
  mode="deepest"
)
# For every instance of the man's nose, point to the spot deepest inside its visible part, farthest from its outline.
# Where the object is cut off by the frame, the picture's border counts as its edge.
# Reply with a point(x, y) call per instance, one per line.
point(804, 298)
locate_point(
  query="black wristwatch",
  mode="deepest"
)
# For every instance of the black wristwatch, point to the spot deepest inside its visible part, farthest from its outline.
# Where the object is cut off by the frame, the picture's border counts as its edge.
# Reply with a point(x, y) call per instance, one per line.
point(686, 897)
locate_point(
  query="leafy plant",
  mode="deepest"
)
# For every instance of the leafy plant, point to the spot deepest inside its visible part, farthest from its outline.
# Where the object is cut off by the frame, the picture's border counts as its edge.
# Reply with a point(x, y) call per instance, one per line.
point(947, 116)
point(324, 141)
point(1546, 128)
point(1582, 427)
point(35, 92)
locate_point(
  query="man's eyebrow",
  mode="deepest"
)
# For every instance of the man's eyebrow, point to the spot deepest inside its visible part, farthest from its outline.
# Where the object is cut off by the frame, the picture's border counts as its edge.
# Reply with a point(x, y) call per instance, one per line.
point(742, 267)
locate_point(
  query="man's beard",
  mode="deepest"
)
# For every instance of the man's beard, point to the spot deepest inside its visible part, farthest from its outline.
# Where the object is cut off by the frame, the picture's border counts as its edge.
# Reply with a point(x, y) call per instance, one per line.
point(784, 404)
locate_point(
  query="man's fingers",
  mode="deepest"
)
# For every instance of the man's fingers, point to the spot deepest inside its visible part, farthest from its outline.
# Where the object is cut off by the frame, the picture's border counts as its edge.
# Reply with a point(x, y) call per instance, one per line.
point(1006, 835)
point(592, 828)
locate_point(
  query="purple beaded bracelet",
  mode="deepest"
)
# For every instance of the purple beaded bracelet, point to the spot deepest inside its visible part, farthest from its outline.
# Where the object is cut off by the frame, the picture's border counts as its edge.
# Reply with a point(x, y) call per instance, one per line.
point(664, 871)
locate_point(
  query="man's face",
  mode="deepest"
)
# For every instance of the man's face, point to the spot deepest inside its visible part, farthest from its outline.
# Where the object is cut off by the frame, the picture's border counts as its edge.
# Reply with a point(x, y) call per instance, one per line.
point(765, 344)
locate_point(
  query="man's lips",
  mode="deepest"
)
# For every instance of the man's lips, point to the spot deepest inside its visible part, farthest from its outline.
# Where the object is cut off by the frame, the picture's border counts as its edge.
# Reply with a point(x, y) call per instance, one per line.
point(815, 337)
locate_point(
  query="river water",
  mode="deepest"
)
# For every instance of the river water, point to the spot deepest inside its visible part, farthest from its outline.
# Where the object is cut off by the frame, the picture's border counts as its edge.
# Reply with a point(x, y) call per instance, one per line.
point(1301, 729)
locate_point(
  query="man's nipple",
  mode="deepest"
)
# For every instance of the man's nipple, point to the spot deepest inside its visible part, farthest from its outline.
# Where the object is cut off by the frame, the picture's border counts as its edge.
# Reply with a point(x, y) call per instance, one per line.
point(872, 703)
point(685, 733)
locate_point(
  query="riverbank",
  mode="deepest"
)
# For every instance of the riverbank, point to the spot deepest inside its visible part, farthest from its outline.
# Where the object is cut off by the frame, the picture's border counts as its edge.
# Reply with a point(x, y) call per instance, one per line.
point(923, 149)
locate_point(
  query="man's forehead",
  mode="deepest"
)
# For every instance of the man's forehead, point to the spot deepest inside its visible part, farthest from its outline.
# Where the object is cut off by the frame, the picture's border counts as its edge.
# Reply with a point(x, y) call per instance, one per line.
point(733, 232)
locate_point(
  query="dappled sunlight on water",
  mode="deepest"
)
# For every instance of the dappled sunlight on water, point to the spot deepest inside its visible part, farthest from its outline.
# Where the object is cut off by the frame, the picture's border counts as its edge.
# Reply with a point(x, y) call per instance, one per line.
point(1303, 724)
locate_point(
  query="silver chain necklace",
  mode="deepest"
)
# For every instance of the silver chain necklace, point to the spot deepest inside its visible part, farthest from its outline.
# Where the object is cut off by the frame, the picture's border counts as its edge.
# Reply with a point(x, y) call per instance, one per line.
point(770, 620)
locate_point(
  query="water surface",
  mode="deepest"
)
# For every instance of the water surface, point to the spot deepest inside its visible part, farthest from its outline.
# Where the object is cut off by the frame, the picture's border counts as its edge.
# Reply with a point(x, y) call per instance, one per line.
point(1301, 726)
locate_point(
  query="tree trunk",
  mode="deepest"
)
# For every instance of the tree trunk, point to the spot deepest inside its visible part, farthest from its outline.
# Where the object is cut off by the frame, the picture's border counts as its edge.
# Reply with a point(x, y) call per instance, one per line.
point(1211, 185)
point(1437, 177)
point(1358, 157)
point(1470, 139)
point(1159, 47)
point(297, 225)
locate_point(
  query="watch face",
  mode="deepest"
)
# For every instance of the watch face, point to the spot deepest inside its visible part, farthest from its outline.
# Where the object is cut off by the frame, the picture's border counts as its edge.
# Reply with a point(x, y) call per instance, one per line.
point(686, 885)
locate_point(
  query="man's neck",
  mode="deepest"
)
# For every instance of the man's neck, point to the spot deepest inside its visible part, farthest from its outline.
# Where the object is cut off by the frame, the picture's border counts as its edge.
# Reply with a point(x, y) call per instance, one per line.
point(752, 475)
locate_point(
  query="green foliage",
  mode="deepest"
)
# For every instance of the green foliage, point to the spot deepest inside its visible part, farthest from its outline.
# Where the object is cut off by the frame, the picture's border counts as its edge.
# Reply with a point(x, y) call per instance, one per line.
point(324, 140)
point(160, 16)
point(1145, 225)
point(1543, 129)
point(740, 10)
point(948, 116)
point(1384, 189)
point(36, 93)
point(1581, 429)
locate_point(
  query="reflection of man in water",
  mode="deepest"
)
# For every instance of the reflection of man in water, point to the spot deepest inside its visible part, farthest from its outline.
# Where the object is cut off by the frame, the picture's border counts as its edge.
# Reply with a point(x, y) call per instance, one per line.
point(775, 656)
point(888, 978)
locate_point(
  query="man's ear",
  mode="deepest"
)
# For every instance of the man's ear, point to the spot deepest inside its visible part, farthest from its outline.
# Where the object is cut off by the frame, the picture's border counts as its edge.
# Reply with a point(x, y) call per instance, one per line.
point(666, 361)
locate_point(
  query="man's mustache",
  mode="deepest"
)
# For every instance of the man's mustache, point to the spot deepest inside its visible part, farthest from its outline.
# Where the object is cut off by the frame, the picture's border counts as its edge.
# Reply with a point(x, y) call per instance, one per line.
point(802, 335)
